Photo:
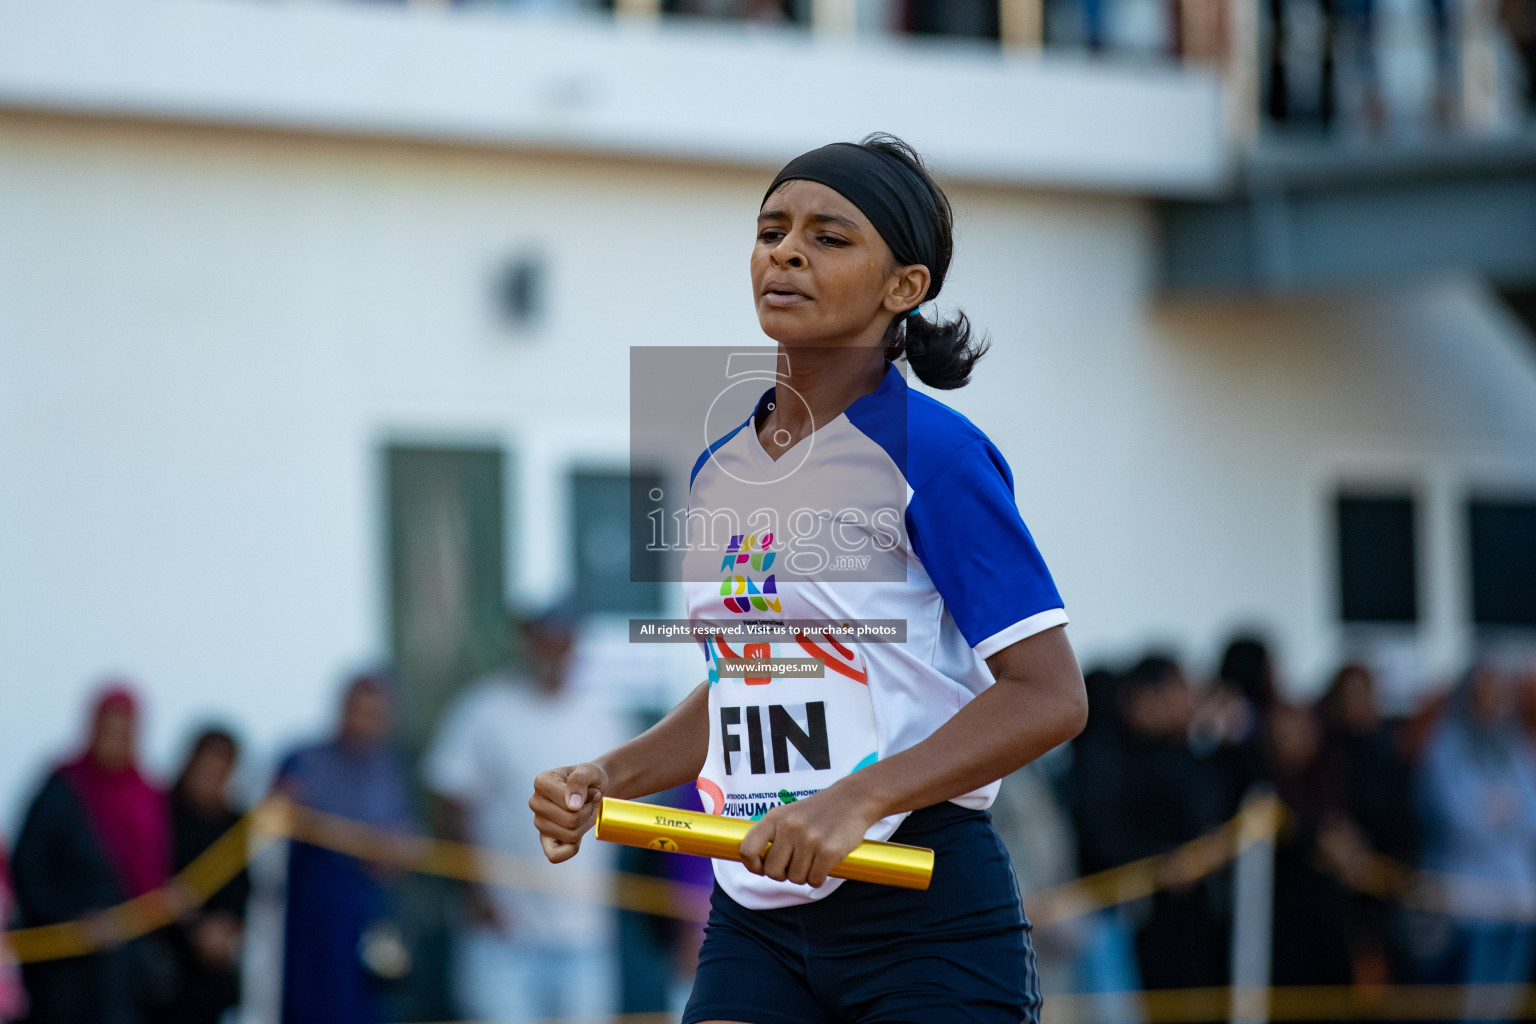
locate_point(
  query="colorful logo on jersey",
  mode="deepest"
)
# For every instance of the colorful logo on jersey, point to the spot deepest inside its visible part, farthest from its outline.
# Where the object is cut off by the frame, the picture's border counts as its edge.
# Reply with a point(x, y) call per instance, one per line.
point(835, 656)
point(740, 592)
point(711, 795)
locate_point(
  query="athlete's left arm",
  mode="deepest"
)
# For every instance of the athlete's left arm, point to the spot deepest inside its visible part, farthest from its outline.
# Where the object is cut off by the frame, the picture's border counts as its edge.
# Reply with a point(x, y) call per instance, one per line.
point(1037, 703)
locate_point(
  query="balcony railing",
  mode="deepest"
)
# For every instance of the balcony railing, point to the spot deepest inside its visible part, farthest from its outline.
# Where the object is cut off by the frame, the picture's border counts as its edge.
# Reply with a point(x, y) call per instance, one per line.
point(1350, 69)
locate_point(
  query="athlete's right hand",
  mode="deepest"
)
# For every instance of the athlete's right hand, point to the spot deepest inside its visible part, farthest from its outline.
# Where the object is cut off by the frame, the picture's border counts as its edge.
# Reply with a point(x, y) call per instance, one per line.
point(564, 805)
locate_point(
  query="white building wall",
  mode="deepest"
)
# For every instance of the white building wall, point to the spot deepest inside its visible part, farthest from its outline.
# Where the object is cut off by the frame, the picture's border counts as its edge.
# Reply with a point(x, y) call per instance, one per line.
point(206, 336)
point(1178, 459)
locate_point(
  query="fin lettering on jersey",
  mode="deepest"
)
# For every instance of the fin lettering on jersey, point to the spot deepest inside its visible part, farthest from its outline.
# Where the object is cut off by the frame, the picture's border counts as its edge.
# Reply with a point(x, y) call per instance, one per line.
point(810, 741)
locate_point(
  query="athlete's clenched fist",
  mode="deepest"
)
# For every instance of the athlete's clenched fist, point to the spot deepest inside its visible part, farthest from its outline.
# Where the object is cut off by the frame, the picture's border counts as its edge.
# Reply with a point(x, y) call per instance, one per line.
point(564, 806)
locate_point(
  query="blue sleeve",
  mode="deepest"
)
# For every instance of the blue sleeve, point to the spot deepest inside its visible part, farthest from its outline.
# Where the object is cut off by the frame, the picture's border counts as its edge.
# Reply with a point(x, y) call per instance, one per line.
point(966, 531)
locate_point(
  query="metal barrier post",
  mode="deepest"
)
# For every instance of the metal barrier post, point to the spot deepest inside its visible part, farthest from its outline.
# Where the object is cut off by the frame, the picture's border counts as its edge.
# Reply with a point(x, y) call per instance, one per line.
point(1253, 907)
point(834, 18)
point(1242, 72)
point(261, 956)
point(643, 10)
point(1021, 24)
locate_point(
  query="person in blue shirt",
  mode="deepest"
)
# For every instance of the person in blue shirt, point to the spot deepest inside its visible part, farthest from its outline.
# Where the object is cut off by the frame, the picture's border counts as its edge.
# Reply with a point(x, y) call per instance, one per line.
point(1477, 792)
point(333, 899)
point(899, 740)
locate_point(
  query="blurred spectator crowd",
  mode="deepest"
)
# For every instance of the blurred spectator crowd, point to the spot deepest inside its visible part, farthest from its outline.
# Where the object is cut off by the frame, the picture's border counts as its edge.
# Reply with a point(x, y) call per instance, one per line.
point(355, 946)
point(1449, 790)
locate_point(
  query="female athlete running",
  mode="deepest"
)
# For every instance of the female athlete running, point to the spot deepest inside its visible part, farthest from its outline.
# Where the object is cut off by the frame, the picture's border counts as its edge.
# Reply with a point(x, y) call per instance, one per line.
point(901, 741)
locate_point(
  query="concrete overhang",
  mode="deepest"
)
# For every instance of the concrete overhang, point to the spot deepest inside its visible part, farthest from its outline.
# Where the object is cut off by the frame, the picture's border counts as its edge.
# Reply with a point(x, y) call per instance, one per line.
point(1325, 215)
point(670, 90)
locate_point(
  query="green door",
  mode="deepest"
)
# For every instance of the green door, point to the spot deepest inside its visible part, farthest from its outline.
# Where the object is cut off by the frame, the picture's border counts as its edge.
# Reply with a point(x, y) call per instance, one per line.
point(447, 608)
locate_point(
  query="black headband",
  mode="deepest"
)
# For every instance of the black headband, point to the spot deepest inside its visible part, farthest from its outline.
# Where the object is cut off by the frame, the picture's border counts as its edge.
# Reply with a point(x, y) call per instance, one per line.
point(892, 195)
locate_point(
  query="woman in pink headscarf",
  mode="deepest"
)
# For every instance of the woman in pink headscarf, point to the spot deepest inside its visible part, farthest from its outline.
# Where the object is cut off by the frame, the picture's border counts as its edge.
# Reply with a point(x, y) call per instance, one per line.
point(13, 998)
point(97, 834)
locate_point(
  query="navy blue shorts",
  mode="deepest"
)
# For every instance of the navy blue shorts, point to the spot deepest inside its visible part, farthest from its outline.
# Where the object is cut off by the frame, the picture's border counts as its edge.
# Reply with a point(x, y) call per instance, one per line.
point(959, 952)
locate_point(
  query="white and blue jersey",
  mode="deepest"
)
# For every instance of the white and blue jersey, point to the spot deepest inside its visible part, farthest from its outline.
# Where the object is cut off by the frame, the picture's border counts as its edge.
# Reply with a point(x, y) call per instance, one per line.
point(898, 509)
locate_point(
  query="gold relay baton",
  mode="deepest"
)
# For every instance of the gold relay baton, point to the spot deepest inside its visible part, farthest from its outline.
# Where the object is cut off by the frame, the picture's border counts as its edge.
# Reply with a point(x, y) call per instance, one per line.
point(711, 835)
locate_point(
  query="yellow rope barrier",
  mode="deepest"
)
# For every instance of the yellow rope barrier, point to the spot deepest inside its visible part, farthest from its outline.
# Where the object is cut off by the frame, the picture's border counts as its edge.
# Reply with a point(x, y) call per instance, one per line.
point(460, 861)
point(1434, 892)
point(614, 1018)
point(276, 819)
point(213, 869)
point(1298, 1003)
point(1182, 865)
point(1305, 1003)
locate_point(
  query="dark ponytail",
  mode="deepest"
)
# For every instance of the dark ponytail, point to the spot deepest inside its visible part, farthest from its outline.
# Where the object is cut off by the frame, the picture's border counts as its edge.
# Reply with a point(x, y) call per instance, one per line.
point(941, 353)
